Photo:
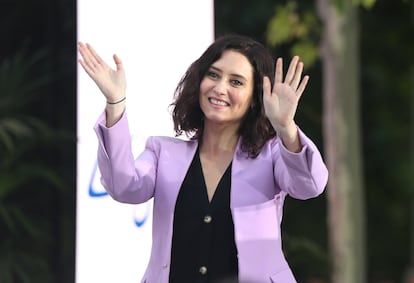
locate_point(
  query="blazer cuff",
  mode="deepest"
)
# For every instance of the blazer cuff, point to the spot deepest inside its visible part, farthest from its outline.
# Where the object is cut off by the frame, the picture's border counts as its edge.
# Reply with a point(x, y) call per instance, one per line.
point(112, 135)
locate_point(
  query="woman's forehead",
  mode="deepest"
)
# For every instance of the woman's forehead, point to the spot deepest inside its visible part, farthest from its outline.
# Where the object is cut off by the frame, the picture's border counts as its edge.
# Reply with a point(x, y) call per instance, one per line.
point(234, 62)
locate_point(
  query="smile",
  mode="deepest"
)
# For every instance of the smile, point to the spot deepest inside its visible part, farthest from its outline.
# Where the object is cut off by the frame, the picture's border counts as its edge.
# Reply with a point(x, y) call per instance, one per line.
point(218, 102)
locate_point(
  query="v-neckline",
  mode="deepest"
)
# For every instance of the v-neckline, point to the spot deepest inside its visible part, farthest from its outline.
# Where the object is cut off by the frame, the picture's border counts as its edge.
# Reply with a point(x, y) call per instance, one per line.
point(204, 185)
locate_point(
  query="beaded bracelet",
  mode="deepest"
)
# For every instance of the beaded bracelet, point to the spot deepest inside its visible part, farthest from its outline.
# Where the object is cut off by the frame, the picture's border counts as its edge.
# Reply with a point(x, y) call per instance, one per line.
point(116, 102)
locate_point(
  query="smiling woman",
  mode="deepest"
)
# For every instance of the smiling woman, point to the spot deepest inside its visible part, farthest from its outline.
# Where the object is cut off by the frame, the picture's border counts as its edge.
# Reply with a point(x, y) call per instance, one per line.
point(218, 196)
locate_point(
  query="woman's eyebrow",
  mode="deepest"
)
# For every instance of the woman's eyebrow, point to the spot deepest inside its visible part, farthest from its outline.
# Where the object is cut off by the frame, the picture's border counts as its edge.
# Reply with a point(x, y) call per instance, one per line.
point(233, 74)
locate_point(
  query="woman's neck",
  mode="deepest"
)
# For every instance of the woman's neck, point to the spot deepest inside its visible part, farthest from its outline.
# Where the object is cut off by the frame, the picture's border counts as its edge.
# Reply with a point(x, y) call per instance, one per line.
point(218, 140)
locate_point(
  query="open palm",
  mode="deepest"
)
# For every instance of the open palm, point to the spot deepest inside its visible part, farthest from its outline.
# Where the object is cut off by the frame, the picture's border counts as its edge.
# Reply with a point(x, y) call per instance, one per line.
point(111, 82)
point(281, 102)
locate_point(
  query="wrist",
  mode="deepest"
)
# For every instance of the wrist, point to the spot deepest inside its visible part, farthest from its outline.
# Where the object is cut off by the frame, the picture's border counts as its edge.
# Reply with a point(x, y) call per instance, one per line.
point(290, 138)
point(286, 130)
point(116, 101)
point(114, 113)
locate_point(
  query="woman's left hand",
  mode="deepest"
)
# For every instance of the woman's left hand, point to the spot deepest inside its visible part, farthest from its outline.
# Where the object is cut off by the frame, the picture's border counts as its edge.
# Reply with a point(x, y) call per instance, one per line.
point(280, 103)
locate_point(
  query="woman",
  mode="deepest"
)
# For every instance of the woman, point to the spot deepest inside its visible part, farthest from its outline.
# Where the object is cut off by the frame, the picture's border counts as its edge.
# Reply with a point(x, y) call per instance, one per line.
point(218, 196)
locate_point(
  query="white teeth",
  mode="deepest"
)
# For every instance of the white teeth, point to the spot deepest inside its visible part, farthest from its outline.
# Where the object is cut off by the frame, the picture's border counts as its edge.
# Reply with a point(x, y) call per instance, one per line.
point(218, 102)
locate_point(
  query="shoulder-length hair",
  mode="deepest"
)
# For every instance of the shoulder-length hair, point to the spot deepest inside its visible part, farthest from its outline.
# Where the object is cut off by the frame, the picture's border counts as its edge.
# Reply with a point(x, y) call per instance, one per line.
point(255, 129)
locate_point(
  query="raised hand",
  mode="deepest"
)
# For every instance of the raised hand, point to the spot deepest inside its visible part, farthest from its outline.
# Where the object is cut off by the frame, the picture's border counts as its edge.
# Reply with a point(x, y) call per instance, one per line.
point(111, 82)
point(281, 102)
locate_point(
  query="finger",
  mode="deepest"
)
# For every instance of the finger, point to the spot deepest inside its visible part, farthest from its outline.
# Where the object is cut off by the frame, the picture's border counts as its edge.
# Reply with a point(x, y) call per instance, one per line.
point(85, 66)
point(95, 56)
point(266, 87)
point(302, 86)
point(87, 56)
point(297, 76)
point(279, 71)
point(81, 49)
point(292, 69)
point(118, 63)
point(90, 71)
point(82, 60)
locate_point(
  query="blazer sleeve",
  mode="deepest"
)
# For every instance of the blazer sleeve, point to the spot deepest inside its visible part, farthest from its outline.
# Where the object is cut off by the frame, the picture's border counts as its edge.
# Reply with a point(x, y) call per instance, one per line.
point(125, 178)
point(302, 175)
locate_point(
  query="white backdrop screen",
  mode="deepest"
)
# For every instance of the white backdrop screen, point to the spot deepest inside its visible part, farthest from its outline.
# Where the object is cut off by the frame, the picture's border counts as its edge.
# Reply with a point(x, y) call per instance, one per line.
point(157, 41)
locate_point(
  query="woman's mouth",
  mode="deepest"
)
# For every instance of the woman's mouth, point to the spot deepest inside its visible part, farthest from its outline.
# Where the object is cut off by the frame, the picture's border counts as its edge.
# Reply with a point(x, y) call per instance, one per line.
point(218, 102)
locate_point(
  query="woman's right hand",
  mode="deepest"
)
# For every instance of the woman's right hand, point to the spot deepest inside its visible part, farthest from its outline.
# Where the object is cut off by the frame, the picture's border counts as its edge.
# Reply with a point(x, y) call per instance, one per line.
point(111, 82)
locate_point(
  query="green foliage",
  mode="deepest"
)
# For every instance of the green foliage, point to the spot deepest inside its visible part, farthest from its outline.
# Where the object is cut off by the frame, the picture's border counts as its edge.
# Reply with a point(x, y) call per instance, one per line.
point(298, 29)
point(307, 258)
point(24, 178)
point(307, 51)
point(368, 4)
point(340, 4)
point(18, 265)
point(16, 92)
point(283, 26)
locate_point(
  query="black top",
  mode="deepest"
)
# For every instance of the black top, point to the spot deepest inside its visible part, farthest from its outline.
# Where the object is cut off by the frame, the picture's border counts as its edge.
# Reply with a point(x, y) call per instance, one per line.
point(203, 246)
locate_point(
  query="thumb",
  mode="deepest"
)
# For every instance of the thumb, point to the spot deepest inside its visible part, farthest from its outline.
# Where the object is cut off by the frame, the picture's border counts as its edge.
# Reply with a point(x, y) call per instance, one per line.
point(118, 63)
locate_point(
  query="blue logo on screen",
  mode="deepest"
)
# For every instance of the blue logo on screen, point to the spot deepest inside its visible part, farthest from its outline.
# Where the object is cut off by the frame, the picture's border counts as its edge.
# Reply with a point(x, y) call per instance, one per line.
point(93, 188)
point(141, 211)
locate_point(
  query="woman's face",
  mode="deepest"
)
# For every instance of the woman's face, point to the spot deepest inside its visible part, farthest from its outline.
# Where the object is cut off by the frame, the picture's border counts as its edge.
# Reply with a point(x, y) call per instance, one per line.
point(227, 88)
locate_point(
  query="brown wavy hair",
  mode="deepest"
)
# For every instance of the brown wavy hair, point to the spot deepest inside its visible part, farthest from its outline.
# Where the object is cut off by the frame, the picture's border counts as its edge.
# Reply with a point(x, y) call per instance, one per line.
point(255, 129)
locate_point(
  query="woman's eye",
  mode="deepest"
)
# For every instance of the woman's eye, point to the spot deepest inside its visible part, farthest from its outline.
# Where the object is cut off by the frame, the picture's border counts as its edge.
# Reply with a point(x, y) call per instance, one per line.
point(212, 74)
point(236, 82)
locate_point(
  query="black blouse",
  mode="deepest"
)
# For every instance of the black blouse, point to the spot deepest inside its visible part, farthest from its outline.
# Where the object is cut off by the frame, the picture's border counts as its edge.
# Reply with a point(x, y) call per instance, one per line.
point(203, 246)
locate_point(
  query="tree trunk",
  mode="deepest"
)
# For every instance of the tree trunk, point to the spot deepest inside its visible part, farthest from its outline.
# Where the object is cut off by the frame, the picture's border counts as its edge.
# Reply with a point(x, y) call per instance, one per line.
point(342, 133)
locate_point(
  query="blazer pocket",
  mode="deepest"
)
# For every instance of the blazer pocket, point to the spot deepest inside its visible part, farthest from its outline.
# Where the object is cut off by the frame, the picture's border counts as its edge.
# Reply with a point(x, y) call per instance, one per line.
point(259, 221)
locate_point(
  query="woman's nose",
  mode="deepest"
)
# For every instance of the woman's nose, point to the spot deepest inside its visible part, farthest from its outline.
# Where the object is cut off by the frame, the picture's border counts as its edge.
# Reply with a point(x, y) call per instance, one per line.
point(221, 87)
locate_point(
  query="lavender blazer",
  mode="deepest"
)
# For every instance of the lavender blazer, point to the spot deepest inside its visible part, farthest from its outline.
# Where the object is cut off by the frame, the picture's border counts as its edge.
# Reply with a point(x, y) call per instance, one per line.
point(258, 190)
